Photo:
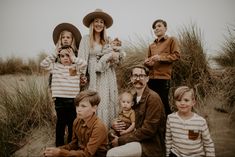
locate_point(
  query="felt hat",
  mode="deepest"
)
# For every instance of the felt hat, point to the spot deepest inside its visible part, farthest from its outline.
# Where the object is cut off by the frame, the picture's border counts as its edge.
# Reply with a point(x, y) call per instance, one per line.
point(98, 13)
point(69, 27)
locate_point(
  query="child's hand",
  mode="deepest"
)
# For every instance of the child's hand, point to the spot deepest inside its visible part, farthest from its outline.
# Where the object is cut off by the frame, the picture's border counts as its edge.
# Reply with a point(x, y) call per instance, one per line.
point(122, 132)
point(57, 51)
point(51, 151)
point(155, 57)
point(83, 80)
point(71, 54)
point(149, 62)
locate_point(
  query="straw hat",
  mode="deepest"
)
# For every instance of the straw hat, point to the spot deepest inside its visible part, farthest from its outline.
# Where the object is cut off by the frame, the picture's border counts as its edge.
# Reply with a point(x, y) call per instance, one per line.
point(98, 13)
point(69, 27)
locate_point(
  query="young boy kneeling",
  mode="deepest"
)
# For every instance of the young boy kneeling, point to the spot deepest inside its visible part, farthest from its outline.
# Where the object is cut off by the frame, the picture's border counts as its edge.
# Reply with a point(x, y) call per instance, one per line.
point(89, 132)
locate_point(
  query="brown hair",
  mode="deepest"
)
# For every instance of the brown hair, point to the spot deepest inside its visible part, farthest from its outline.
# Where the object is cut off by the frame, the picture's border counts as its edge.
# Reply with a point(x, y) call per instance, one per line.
point(179, 92)
point(119, 42)
point(159, 20)
point(92, 96)
point(141, 67)
point(126, 92)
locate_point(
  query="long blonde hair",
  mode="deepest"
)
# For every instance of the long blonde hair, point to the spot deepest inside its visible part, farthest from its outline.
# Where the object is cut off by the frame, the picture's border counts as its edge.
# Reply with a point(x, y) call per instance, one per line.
point(59, 42)
point(103, 36)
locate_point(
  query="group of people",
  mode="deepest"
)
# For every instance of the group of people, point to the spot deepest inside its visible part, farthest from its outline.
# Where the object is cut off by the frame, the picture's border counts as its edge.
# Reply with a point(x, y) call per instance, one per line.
point(84, 88)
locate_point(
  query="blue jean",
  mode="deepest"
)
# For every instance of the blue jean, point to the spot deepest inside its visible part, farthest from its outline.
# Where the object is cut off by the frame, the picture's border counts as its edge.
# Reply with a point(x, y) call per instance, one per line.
point(162, 87)
point(66, 113)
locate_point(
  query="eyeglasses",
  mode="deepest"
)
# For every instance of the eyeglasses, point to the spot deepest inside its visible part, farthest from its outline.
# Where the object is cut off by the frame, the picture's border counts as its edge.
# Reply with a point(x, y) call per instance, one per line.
point(140, 76)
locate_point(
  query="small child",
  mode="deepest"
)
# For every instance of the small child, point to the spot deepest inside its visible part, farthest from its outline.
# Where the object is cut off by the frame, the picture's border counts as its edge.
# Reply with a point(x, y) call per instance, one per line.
point(127, 115)
point(89, 133)
point(65, 87)
point(114, 46)
point(187, 133)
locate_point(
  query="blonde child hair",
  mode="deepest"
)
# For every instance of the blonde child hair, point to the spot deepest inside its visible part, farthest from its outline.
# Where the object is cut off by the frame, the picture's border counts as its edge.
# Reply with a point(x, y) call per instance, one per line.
point(179, 92)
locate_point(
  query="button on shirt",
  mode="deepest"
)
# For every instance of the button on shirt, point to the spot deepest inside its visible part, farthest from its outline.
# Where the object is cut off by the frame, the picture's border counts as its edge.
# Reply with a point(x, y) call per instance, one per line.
point(168, 50)
point(89, 139)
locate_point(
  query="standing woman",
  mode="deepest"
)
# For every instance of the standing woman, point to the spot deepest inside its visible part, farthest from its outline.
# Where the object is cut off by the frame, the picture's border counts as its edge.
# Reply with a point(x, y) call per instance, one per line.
point(103, 82)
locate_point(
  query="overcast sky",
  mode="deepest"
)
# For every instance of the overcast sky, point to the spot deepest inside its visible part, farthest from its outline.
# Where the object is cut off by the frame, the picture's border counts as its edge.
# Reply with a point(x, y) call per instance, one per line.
point(27, 25)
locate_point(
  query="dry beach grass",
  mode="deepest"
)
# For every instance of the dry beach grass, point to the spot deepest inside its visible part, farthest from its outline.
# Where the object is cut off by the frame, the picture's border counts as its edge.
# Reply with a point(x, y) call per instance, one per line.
point(27, 113)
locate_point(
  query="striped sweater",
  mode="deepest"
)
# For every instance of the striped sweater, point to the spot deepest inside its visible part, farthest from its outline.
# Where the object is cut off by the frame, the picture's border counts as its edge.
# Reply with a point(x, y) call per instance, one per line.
point(189, 137)
point(65, 79)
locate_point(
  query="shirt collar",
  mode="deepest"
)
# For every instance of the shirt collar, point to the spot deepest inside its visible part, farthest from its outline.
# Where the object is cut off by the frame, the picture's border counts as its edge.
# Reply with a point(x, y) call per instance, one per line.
point(161, 39)
point(90, 121)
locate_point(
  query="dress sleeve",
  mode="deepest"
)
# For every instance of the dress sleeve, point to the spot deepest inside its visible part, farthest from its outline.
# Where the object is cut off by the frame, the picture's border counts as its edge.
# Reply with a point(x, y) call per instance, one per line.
point(84, 49)
point(81, 65)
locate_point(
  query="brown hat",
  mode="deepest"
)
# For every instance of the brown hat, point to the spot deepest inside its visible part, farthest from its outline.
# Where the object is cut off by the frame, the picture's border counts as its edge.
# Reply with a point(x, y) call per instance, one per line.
point(98, 13)
point(69, 27)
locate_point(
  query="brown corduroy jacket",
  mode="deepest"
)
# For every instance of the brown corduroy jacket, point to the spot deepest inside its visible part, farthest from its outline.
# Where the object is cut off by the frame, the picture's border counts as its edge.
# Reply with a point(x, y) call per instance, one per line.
point(89, 140)
point(150, 125)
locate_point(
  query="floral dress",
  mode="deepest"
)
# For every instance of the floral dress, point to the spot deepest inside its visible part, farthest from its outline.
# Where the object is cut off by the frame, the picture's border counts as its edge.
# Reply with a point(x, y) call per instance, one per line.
point(102, 79)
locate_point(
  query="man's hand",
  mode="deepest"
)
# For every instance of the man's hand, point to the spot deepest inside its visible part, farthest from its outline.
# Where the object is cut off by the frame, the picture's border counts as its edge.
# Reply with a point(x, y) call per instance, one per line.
point(114, 141)
point(118, 125)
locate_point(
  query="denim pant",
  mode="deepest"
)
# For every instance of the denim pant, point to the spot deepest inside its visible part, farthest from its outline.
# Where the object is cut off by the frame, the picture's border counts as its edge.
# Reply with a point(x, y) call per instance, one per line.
point(162, 87)
point(66, 113)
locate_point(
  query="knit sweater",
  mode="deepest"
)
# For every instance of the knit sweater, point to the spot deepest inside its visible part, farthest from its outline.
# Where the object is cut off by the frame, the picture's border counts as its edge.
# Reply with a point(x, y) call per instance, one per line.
point(65, 79)
point(189, 137)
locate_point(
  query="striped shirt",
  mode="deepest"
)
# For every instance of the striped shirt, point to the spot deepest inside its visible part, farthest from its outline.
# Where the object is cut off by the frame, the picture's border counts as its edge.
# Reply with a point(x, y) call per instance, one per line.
point(189, 137)
point(65, 79)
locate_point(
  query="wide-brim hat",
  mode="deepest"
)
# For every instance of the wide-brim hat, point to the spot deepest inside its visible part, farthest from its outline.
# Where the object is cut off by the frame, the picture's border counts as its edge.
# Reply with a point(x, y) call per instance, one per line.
point(98, 13)
point(69, 27)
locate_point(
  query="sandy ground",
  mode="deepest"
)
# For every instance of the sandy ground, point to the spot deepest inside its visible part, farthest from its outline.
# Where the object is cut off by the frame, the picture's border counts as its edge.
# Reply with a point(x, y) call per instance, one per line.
point(223, 134)
point(39, 139)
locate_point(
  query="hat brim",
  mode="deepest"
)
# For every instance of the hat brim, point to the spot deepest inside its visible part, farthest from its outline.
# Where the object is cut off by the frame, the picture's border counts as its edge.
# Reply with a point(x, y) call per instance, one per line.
point(108, 20)
point(69, 27)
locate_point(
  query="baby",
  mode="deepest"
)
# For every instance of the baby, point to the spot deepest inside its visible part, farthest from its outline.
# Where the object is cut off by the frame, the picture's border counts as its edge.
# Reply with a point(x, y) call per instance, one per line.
point(114, 46)
point(127, 115)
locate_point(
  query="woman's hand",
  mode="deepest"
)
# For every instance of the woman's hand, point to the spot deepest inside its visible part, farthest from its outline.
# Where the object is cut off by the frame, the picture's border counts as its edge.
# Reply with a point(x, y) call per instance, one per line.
point(115, 55)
